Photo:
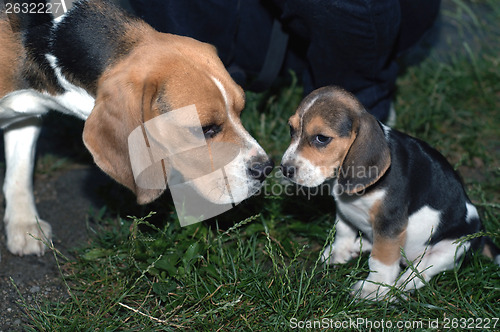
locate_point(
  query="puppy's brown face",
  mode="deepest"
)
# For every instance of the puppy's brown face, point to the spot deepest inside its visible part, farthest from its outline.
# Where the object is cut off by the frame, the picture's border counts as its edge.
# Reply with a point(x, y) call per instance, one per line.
point(332, 135)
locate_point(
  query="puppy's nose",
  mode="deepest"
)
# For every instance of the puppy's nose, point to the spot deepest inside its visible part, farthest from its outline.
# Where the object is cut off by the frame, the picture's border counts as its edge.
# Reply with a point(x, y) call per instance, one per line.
point(287, 170)
point(260, 170)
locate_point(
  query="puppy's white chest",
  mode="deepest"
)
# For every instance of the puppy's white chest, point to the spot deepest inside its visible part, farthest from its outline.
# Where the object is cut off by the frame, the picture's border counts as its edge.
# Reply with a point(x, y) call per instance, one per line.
point(357, 210)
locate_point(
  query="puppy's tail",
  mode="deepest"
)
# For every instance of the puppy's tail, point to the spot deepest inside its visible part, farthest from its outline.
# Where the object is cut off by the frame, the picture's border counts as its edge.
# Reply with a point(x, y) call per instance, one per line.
point(491, 250)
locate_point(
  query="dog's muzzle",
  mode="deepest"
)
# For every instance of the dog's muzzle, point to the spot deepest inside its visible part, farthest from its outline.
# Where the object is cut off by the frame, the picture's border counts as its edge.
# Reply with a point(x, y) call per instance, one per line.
point(259, 169)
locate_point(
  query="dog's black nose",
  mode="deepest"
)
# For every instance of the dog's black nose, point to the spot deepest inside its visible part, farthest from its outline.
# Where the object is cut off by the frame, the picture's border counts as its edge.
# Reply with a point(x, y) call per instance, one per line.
point(288, 171)
point(260, 170)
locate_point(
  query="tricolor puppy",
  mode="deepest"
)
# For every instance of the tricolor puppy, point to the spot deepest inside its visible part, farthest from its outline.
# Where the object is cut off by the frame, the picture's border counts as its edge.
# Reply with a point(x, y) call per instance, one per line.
point(116, 72)
point(397, 190)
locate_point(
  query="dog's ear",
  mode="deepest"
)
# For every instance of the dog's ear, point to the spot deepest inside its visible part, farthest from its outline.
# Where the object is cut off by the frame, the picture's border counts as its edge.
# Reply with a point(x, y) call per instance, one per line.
point(368, 157)
point(123, 103)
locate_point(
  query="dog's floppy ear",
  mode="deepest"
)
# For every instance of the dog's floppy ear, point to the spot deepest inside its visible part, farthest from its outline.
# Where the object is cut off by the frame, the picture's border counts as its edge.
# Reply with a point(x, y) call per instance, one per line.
point(123, 103)
point(368, 157)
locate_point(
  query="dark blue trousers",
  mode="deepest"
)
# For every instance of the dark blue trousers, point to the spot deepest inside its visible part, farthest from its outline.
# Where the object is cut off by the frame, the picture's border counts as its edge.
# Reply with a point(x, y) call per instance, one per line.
point(350, 43)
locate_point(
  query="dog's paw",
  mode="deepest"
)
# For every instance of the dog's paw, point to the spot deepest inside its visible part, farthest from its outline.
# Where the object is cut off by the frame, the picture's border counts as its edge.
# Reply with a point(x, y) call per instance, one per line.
point(368, 290)
point(339, 253)
point(28, 238)
point(410, 280)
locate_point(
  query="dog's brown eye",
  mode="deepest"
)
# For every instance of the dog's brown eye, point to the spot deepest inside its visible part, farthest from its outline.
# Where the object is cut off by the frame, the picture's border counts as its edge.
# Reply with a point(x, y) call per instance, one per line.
point(292, 131)
point(321, 140)
point(211, 130)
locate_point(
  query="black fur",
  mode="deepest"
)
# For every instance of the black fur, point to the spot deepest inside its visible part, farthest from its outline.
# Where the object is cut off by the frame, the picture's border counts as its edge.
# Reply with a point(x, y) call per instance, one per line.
point(89, 39)
point(419, 176)
point(36, 34)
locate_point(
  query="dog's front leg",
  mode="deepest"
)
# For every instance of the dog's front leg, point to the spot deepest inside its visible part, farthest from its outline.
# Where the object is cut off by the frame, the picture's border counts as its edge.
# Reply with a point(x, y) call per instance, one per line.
point(384, 266)
point(346, 246)
point(21, 218)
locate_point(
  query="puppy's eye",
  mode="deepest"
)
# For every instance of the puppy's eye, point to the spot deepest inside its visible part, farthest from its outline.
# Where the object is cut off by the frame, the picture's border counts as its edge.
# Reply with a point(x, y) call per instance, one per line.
point(321, 140)
point(211, 131)
point(292, 131)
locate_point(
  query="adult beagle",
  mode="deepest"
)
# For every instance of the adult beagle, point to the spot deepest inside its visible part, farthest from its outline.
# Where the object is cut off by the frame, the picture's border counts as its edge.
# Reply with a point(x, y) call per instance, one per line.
point(116, 72)
point(401, 194)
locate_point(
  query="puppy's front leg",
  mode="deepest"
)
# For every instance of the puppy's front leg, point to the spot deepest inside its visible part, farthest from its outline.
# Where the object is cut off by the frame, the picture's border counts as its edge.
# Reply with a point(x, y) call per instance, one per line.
point(346, 245)
point(21, 218)
point(384, 266)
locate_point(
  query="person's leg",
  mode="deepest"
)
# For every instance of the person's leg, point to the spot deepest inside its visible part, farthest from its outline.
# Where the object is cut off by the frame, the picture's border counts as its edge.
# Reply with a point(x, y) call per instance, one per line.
point(352, 44)
point(240, 30)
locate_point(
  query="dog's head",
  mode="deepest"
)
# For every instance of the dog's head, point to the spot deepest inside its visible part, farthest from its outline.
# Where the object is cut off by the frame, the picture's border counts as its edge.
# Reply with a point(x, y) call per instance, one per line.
point(162, 74)
point(334, 136)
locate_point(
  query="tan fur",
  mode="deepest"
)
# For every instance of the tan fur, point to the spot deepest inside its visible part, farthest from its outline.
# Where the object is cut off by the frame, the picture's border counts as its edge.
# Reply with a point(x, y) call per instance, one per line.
point(487, 251)
point(388, 250)
point(11, 58)
point(375, 210)
point(294, 121)
point(163, 73)
point(329, 158)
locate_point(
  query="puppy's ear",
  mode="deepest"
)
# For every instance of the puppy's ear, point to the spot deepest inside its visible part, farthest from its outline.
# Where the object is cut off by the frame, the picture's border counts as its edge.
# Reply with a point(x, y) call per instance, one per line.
point(123, 103)
point(368, 157)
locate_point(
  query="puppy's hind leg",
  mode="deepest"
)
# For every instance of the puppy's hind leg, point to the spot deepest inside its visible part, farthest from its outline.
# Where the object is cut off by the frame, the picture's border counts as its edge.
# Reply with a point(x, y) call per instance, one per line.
point(440, 257)
point(21, 217)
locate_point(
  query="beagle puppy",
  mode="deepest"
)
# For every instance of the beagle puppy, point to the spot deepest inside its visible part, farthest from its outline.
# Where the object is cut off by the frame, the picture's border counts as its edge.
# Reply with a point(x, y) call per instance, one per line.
point(401, 194)
point(115, 72)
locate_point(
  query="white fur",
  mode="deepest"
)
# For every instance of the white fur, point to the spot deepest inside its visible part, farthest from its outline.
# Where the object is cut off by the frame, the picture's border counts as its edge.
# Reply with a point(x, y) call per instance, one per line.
point(237, 184)
point(19, 117)
point(471, 212)
point(290, 153)
point(421, 226)
point(387, 130)
point(379, 280)
point(437, 258)
point(347, 244)
point(425, 260)
point(75, 100)
point(21, 218)
point(356, 209)
point(307, 174)
point(308, 106)
point(24, 104)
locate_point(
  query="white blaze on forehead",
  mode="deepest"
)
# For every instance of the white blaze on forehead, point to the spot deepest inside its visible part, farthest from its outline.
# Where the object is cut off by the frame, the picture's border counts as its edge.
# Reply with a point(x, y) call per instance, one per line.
point(291, 152)
point(293, 147)
point(222, 91)
point(250, 142)
point(307, 106)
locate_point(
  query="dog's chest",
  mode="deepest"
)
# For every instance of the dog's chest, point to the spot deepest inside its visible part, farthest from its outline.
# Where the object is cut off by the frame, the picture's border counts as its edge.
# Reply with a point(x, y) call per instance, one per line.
point(358, 209)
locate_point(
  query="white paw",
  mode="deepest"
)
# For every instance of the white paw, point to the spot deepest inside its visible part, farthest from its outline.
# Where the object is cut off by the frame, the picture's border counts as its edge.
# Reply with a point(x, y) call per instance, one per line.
point(379, 282)
point(369, 290)
point(410, 281)
point(28, 239)
point(340, 253)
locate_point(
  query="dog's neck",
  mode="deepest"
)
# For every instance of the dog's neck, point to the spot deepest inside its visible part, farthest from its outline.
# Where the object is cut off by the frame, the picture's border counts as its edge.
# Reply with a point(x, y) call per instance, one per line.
point(85, 54)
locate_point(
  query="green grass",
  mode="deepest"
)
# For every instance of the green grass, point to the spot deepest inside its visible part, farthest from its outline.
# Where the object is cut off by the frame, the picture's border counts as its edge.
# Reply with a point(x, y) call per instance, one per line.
point(256, 268)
